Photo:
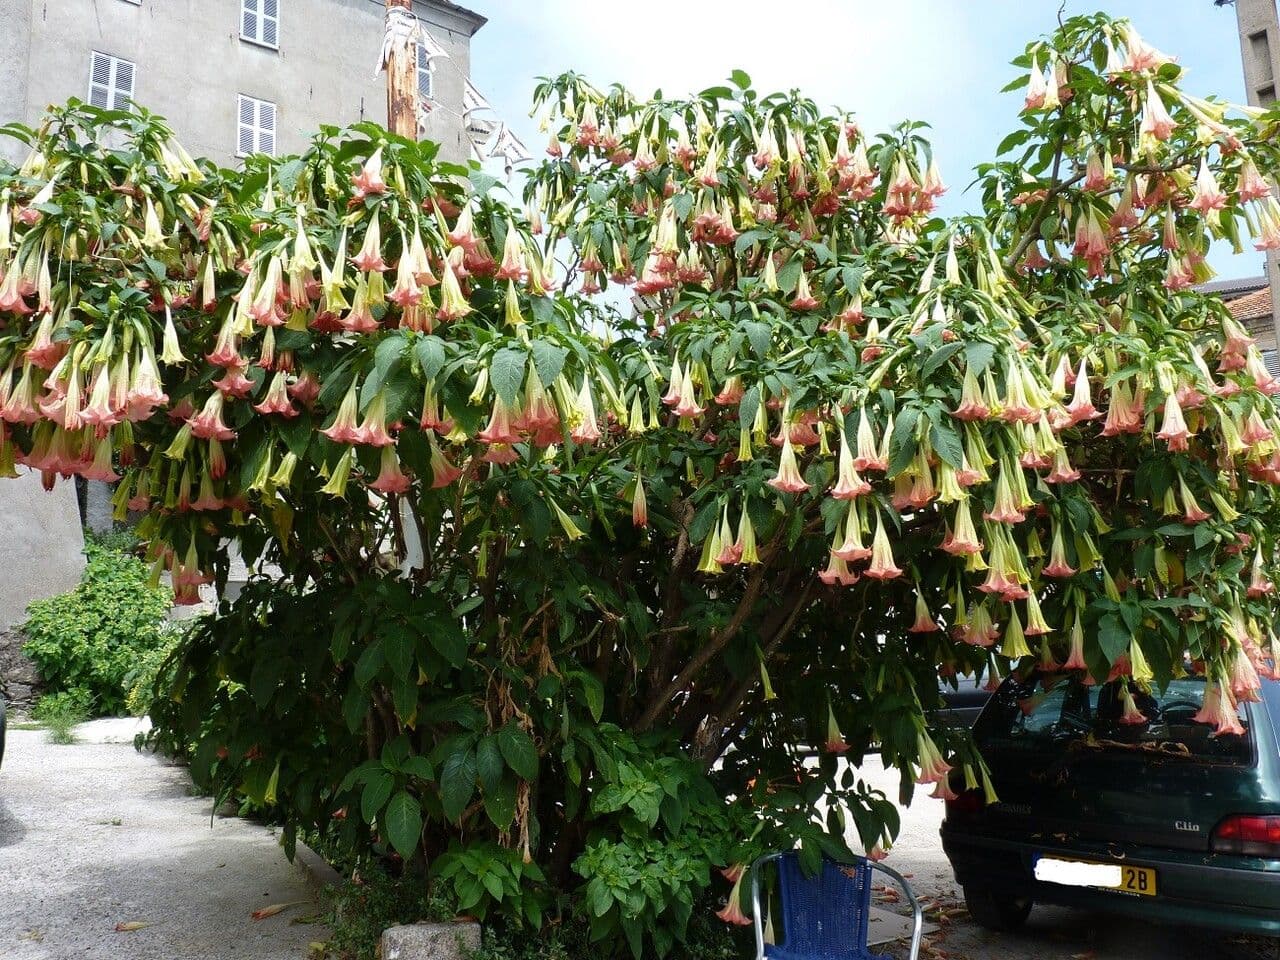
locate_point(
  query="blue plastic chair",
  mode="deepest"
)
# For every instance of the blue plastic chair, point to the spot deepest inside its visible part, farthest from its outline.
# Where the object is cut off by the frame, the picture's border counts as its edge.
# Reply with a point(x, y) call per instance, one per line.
point(824, 917)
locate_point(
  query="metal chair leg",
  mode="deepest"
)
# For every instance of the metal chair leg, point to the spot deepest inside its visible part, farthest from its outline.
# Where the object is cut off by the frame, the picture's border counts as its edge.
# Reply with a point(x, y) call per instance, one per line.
point(917, 915)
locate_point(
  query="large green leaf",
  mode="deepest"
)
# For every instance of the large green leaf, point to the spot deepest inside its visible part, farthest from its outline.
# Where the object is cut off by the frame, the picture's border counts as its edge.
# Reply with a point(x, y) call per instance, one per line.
point(506, 373)
point(457, 782)
point(519, 752)
point(404, 823)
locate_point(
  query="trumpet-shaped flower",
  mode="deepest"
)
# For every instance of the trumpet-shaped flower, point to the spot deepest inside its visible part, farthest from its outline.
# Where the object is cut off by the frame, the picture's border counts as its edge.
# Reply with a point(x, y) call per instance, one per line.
point(882, 566)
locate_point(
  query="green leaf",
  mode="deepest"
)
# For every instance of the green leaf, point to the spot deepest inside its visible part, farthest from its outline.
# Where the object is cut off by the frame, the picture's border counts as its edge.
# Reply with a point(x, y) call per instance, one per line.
point(506, 373)
point(748, 406)
point(519, 752)
point(449, 641)
point(375, 794)
point(457, 782)
point(740, 79)
point(978, 356)
point(431, 356)
point(939, 357)
point(947, 444)
point(760, 335)
point(500, 803)
point(548, 360)
point(397, 647)
point(789, 275)
point(418, 766)
point(593, 691)
point(404, 823)
point(747, 238)
point(902, 443)
point(482, 182)
point(489, 762)
point(1113, 637)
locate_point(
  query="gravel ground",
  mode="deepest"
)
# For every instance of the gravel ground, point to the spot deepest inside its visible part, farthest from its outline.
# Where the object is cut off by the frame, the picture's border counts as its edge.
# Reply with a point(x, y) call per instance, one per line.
point(95, 834)
point(1052, 933)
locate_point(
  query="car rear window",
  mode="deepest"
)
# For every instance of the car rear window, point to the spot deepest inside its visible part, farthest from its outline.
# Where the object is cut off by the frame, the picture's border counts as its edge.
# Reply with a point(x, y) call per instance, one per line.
point(1061, 712)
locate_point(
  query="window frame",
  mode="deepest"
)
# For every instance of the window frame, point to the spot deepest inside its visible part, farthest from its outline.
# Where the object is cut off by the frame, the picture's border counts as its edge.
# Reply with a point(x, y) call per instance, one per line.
point(112, 88)
point(256, 129)
point(423, 54)
point(258, 9)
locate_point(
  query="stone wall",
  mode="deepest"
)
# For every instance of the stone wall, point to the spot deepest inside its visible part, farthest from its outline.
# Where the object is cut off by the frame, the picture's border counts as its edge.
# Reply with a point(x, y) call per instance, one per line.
point(19, 681)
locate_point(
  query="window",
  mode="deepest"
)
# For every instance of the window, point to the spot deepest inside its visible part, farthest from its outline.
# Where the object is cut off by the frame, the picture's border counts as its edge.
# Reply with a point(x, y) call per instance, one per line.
point(110, 82)
point(260, 22)
point(425, 68)
point(256, 132)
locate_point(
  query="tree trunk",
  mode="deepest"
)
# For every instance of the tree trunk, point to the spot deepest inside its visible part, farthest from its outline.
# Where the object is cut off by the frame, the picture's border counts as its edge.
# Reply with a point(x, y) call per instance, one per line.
point(402, 82)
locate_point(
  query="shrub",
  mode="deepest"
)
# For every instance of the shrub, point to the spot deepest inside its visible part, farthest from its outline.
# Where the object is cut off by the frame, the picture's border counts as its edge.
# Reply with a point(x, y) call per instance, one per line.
point(93, 638)
point(60, 712)
point(151, 668)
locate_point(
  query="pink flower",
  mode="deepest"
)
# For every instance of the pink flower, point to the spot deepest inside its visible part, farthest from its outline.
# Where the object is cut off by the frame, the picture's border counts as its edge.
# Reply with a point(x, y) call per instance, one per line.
point(499, 429)
point(1174, 430)
point(788, 479)
point(1156, 122)
point(277, 399)
point(732, 912)
point(1259, 584)
point(835, 739)
point(391, 479)
point(1219, 709)
point(207, 424)
point(849, 484)
point(369, 179)
point(924, 622)
point(1251, 186)
point(1081, 407)
point(1208, 195)
point(882, 565)
point(1075, 659)
point(443, 472)
point(344, 428)
point(933, 767)
point(1058, 566)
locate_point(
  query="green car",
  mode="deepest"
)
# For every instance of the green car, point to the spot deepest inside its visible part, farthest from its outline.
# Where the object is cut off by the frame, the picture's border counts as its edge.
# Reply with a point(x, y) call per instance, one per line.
point(1160, 819)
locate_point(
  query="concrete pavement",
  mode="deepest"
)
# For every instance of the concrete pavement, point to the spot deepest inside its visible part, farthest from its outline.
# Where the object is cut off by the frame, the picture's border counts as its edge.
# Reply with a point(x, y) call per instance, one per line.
point(1052, 933)
point(94, 835)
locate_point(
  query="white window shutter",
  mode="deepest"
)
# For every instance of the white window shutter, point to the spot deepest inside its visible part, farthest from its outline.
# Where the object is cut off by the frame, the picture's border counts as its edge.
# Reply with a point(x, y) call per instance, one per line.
point(110, 82)
point(260, 21)
point(123, 84)
point(256, 126)
point(424, 73)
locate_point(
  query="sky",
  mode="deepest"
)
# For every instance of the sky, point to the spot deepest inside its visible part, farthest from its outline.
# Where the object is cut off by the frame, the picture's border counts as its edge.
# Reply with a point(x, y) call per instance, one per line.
point(941, 61)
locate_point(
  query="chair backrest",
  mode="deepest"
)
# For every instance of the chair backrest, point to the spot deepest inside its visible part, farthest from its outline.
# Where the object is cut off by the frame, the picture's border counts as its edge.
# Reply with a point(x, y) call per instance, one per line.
point(825, 915)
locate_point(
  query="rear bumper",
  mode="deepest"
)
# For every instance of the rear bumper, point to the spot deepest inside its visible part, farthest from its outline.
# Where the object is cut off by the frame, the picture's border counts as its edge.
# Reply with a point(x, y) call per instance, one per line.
point(1239, 894)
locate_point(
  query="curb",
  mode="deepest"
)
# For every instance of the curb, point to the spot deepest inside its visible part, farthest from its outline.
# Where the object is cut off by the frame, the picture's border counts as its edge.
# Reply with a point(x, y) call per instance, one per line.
point(315, 869)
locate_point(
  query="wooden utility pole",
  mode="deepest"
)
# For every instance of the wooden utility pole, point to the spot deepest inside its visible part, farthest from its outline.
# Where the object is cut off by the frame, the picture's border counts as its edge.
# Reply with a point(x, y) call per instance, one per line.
point(402, 78)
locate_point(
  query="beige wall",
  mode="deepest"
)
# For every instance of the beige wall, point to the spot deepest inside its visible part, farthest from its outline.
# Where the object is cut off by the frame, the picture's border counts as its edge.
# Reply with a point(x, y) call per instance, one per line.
point(40, 552)
point(191, 64)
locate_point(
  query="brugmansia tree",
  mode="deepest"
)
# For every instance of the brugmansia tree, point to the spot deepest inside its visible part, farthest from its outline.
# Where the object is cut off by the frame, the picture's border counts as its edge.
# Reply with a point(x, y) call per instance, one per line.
point(724, 441)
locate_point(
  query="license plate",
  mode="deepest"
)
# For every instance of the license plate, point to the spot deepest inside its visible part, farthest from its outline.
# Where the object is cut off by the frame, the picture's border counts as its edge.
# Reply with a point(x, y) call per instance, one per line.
point(1103, 876)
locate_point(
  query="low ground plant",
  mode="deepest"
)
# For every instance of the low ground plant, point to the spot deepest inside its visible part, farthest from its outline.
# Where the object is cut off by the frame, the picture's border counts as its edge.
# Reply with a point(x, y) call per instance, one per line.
point(59, 713)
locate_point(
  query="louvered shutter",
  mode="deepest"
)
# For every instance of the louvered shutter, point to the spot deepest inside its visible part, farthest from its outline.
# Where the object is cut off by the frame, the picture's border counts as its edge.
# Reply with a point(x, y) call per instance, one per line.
point(123, 85)
point(424, 73)
point(267, 128)
point(247, 126)
point(110, 82)
point(270, 22)
point(100, 81)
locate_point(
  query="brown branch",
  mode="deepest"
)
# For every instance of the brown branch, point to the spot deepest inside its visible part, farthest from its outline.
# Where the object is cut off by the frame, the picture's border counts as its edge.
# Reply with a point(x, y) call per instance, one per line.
point(719, 640)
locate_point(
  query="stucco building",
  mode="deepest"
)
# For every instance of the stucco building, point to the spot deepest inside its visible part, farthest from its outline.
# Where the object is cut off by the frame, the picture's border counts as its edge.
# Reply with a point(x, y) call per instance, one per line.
point(231, 76)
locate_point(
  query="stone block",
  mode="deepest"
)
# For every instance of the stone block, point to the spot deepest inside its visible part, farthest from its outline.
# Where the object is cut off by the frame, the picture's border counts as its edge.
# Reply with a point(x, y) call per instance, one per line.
point(430, 941)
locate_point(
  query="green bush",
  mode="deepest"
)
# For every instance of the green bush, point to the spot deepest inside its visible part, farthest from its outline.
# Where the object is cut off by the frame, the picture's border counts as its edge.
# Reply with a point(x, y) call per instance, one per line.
point(140, 682)
point(59, 712)
point(93, 638)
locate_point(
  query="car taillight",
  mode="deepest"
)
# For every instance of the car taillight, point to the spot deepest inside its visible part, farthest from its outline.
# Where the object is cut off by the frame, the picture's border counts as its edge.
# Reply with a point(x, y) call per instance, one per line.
point(1247, 835)
point(966, 804)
